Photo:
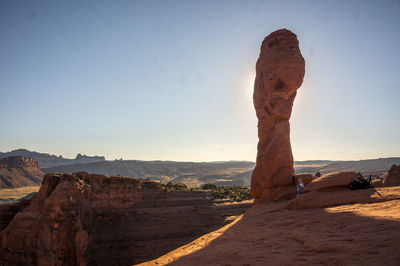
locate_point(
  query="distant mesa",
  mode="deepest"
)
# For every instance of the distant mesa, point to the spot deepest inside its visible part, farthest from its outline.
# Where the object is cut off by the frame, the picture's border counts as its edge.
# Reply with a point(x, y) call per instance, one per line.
point(46, 160)
point(279, 73)
point(85, 158)
point(19, 171)
point(18, 162)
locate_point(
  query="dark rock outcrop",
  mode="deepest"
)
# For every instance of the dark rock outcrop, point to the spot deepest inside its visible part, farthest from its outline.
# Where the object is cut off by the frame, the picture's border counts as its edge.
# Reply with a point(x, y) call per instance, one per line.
point(8, 211)
point(279, 73)
point(19, 171)
point(87, 219)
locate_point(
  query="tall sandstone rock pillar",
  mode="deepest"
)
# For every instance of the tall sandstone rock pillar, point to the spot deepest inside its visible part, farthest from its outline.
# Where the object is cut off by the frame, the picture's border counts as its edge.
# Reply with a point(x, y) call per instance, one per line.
point(279, 73)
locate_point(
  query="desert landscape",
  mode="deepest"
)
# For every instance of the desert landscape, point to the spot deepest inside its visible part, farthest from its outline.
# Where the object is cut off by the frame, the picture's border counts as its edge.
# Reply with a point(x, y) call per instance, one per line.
point(188, 166)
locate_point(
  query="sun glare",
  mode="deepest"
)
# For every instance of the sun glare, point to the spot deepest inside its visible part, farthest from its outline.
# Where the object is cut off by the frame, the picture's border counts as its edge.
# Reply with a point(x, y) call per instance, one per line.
point(249, 85)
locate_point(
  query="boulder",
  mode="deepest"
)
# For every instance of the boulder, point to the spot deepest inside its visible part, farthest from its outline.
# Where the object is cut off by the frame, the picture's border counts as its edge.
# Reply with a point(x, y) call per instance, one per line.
point(306, 178)
point(337, 180)
point(393, 178)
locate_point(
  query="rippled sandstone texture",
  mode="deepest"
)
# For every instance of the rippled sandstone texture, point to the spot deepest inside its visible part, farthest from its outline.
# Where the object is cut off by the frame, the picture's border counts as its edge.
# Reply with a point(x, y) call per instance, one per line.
point(87, 219)
point(279, 73)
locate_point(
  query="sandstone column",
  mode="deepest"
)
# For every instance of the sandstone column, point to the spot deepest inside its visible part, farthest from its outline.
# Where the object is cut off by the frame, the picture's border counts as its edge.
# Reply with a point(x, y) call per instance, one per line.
point(279, 73)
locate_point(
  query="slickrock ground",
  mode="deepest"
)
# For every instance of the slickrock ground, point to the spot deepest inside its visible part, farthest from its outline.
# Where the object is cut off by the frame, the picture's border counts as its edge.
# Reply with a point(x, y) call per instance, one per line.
point(270, 234)
point(87, 219)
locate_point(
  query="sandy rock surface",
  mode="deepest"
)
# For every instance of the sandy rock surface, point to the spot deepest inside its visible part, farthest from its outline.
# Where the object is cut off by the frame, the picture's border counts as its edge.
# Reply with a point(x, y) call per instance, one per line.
point(269, 234)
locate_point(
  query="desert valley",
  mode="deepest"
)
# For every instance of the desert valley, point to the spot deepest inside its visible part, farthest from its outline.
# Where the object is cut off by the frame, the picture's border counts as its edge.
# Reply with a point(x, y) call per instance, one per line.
point(93, 219)
point(244, 133)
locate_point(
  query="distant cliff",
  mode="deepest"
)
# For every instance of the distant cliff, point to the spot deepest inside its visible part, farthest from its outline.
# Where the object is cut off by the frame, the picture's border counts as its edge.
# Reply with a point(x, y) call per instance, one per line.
point(19, 171)
point(46, 160)
point(193, 174)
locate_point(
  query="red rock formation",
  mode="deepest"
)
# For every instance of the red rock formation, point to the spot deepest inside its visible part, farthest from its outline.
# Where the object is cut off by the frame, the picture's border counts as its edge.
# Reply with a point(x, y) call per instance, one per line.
point(19, 171)
point(393, 178)
point(84, 219)
point(279, 73)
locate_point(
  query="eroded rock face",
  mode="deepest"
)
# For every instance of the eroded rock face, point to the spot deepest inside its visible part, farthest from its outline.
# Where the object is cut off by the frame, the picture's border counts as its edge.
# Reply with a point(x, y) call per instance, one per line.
point(87, 219)
point(279, 73)
point(8, 211)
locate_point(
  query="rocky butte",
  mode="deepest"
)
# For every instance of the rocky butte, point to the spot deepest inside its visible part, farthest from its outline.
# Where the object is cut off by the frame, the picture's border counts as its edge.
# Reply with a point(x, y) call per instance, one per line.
point(19, 171)
point(279, 73)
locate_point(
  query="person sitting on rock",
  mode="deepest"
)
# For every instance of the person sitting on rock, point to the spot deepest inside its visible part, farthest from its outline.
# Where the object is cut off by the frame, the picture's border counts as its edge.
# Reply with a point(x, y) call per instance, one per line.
point(300, 186)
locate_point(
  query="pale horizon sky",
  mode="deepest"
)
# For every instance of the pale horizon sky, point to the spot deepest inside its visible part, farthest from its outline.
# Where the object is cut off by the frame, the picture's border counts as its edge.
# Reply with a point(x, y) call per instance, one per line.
point(173, 80)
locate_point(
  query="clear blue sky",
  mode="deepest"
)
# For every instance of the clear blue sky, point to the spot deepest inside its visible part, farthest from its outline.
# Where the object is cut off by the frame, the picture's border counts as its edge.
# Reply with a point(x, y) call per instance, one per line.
point(173, 80)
